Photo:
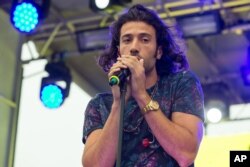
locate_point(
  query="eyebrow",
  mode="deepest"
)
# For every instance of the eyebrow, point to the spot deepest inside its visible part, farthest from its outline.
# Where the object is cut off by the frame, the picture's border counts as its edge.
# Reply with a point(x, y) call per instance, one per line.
point(145, 34)
point(140, 35)
point(126, 35)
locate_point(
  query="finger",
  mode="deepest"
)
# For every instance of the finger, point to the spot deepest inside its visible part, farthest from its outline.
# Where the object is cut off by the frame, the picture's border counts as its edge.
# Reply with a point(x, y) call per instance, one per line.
point(141, 61)
point(112, 71)
point(138, 57)
point(130, 62)
point(126, 58)
point(119, 64)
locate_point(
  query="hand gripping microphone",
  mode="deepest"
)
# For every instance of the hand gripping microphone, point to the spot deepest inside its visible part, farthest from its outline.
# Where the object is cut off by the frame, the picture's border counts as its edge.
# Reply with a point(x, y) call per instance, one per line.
point(119, 77)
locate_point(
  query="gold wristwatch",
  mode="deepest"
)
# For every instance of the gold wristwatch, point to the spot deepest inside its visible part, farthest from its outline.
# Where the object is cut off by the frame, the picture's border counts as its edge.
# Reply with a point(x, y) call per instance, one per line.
point(151, 106)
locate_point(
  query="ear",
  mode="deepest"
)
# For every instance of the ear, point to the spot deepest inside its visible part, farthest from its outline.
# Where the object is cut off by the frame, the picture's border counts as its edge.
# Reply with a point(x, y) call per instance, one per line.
point(159, 52)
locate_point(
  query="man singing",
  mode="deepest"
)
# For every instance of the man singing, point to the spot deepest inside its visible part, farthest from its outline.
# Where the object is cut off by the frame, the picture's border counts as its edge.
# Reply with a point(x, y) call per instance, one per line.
point(164, 111)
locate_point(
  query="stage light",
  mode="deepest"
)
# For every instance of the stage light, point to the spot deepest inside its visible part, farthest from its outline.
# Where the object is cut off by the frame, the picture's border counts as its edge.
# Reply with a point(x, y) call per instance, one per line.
point(101, 5)
point(93, 39)
point(217, 102)
point(200, 24)
point(245, 73)
point(214, 115)
point(25, 15)
point(245, 70)
point(216, 110)
point(55, 88)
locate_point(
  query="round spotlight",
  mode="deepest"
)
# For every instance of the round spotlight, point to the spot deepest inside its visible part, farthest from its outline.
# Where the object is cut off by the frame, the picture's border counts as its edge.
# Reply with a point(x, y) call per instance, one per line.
point(108, 6)
point(52, 96)
point(55, 87)
point(214, 115)
point(25, 17)
point(102, 4)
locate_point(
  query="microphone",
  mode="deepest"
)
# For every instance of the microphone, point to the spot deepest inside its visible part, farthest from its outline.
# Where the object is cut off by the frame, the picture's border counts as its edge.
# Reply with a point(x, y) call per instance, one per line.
point(119, 77)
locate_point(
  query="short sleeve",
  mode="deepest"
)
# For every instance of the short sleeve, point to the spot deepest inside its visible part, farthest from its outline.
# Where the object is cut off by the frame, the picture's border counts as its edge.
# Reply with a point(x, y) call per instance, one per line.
point(92, 120)
point(96, 113)
point(189, 96)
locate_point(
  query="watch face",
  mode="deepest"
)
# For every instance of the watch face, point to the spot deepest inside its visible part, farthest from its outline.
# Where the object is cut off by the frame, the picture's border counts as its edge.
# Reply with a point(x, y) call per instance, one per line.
point(151, 106)
point(155, 105)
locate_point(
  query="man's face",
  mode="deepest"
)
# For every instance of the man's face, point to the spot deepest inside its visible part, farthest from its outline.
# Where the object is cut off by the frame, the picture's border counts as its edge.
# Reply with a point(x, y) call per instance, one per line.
point(139, 39)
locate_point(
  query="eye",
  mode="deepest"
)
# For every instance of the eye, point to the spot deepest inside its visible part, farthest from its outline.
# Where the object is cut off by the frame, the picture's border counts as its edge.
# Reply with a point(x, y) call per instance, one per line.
point(126, 40)
point(145, 40)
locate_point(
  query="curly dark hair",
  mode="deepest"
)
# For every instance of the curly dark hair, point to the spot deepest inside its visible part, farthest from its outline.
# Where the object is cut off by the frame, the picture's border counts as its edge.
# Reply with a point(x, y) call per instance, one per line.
point(172, 57)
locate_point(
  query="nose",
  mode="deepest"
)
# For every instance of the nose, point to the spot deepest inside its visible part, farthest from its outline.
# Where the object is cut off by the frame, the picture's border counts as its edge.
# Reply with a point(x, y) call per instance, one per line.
point(134, 52)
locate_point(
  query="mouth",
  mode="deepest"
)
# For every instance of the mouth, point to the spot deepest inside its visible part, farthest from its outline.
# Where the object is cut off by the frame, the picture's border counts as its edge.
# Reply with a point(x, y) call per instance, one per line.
point(138, 57)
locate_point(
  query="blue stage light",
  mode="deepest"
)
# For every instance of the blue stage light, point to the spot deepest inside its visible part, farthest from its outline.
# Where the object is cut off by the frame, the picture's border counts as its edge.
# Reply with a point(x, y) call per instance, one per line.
point(55, 88)
point(52, 96)
point(245, 70)
point(245, 73)
point(25, 17)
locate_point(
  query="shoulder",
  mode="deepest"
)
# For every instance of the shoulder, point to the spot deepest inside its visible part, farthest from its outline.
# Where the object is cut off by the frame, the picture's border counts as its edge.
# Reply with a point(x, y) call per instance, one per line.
point(101, 98)
point(182, 76)
point(181, 80)
point(187, 74)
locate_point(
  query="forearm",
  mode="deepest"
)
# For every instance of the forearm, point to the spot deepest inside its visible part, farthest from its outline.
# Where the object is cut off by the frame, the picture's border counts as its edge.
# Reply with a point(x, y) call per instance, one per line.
point(176, 140)
point(103, 151)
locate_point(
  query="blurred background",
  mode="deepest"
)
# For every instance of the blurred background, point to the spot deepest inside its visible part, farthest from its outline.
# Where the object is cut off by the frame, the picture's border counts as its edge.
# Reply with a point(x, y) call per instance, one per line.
point(48, 73)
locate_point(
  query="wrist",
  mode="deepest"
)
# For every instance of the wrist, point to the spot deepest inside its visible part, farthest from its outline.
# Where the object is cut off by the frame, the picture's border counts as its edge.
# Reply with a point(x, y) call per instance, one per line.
point(152, 105)
point(116, 104)
point(142, 99)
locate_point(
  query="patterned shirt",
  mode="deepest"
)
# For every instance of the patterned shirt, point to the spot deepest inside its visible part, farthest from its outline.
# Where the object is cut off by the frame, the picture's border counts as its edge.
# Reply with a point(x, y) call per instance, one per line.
point(179, 92)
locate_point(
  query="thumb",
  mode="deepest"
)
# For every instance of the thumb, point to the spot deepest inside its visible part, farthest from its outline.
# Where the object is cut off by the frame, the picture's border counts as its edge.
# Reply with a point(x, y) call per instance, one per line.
point(141, 61)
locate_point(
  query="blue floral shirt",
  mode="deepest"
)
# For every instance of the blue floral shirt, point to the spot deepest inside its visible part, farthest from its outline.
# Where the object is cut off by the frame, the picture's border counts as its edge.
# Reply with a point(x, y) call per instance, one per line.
point(179, 92)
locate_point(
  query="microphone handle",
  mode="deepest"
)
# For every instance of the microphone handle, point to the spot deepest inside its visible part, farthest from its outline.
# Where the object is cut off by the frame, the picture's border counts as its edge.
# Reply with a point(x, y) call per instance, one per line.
point(119, 77)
